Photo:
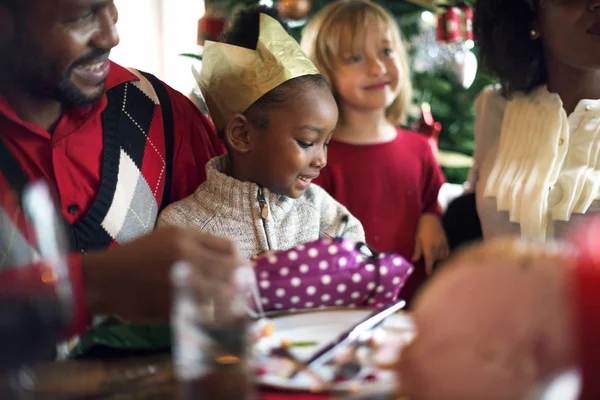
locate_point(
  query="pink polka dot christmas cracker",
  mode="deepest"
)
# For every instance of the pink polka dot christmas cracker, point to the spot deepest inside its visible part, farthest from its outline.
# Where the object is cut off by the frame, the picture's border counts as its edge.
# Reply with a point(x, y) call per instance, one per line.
point(328, 273)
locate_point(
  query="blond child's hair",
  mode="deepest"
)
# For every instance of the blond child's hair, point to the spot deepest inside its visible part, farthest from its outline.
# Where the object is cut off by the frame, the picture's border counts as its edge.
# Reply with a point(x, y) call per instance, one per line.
point(335, 29)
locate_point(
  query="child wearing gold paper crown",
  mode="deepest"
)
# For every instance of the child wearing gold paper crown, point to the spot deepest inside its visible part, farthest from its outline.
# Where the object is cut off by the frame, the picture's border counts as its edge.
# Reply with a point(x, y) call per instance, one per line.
point(276, 115)
point(393, 190)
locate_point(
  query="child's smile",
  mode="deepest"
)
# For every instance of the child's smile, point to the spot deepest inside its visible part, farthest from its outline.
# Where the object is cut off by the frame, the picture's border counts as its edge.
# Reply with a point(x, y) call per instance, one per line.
point(288, 152)
point(304, 181)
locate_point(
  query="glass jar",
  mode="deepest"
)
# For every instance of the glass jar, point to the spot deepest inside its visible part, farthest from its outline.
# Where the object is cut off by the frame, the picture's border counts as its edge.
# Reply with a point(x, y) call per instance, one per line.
point(211, 352)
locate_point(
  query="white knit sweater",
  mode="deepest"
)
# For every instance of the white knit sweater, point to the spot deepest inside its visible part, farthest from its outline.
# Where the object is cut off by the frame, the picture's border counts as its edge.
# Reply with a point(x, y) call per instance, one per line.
point(536, 168)
point(229, 208)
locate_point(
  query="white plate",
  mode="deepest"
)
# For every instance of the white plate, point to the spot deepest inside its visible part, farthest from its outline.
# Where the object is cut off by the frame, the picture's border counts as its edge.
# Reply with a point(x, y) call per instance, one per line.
point(323, 327)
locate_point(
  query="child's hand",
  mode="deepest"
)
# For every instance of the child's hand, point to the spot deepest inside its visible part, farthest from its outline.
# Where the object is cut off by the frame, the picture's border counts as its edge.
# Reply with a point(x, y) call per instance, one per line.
point(430, 242)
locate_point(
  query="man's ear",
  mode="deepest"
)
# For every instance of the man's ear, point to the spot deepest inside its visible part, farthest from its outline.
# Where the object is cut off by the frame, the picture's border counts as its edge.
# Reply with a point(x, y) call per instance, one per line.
point(237, 133)
point(7, 26)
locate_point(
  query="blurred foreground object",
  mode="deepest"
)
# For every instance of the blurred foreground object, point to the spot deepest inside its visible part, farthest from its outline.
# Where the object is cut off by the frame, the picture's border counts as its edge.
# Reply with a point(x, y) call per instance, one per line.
point(35, 293)
point(211, 347)
point(496, 321)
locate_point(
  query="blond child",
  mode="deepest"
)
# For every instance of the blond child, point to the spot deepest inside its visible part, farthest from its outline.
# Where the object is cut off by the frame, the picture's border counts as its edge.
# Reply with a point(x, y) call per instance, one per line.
point(385, 175)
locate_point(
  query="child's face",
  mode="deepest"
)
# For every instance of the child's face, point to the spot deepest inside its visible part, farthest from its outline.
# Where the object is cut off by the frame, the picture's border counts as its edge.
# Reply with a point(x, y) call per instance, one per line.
point(367, 76)
point(290, 153)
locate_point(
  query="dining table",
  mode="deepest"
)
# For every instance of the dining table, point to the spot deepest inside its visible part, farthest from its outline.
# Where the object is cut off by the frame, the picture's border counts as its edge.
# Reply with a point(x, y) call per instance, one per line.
point(112, 373)
point(136, 378)
point(153, 378)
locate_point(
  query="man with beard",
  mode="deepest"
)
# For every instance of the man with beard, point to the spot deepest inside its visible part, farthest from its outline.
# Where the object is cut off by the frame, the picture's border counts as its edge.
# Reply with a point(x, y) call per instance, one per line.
point(115, 146)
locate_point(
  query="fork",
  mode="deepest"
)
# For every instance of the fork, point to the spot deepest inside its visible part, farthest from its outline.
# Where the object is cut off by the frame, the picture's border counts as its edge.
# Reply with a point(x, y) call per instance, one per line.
point(284, 352)
point(350, 367)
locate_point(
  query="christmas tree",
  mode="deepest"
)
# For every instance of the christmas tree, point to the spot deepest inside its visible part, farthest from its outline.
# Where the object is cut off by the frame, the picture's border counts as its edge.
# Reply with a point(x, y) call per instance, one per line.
point(451, 103)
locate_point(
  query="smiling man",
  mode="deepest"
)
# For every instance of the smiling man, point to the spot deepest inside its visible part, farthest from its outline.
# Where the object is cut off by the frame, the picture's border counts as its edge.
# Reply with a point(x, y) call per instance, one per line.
point(116, 146)
point(65, 47)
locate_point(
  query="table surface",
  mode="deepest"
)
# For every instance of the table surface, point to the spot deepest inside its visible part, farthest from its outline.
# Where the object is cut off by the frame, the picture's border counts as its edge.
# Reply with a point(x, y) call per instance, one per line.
point(146, 378)
point(152, 378)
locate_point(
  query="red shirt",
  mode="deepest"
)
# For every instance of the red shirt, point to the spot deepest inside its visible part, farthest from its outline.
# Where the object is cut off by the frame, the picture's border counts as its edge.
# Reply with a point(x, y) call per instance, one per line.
point(69, 157)
point(387, 186)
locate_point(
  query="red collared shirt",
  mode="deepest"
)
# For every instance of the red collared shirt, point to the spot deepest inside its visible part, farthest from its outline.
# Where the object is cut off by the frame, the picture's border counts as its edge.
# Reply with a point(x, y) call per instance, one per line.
point(70, 156)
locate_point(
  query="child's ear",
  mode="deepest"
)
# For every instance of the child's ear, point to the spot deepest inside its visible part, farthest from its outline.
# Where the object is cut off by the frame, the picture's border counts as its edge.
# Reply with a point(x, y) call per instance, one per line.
point(237, 133)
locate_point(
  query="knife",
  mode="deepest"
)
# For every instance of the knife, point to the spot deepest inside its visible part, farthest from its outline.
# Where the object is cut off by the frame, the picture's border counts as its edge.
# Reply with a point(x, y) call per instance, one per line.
point(322, 356)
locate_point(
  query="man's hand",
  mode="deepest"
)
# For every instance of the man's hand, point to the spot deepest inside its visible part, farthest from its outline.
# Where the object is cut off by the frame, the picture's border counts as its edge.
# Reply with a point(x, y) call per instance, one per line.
point(493, 322)
point(133, 280)
point(430, 241)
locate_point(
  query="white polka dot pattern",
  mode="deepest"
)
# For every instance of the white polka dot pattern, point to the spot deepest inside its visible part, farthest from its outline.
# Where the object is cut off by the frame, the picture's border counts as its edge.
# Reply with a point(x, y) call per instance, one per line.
point(328, 273)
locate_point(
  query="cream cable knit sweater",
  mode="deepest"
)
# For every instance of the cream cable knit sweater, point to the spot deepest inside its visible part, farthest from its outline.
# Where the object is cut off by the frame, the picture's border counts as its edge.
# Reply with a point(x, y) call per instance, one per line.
point(230, 208)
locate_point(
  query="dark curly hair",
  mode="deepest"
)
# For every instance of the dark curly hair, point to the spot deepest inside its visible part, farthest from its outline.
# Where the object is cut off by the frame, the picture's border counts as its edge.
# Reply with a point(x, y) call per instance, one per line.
point(243, 32)
point(502, 32)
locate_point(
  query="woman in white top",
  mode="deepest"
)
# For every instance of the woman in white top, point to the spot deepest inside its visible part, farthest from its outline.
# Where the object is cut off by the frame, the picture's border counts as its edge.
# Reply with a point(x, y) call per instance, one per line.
point(537, 134)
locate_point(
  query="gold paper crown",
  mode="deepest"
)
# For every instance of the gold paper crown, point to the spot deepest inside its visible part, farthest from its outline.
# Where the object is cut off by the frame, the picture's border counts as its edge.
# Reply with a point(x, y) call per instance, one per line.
point(233, 77)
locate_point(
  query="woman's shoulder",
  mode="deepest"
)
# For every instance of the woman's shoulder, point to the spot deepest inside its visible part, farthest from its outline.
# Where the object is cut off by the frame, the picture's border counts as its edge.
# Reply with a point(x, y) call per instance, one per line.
point(489, 105)
point(490, 101)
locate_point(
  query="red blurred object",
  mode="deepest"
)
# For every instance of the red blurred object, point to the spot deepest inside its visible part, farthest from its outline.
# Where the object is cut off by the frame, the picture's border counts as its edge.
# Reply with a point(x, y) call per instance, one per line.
point(33, 316)
point(34, 278)
point(428, 127)
point(293, 396)
point(294, 9)
point(209, 28)
point(586, 239)
point(468, 22)
point(449, 28)
point(36, 298)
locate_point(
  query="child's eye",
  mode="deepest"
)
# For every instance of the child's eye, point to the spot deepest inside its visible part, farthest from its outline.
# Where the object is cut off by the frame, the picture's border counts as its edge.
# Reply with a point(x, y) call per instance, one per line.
point(326, 145)
point(304, 145)
point(354, 59)
point(387, 51)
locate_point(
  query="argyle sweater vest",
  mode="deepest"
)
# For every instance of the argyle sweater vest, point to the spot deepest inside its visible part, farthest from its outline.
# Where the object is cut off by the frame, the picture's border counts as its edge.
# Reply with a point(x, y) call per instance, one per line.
point(135, 178)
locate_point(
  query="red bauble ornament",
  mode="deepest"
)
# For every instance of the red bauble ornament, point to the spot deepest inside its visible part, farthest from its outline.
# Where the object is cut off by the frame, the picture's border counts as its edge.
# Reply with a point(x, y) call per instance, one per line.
point(428, 127)
point(209, 28)
point(468, 21)
point(212, 24)
point(449, 28)
point(294, 9)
